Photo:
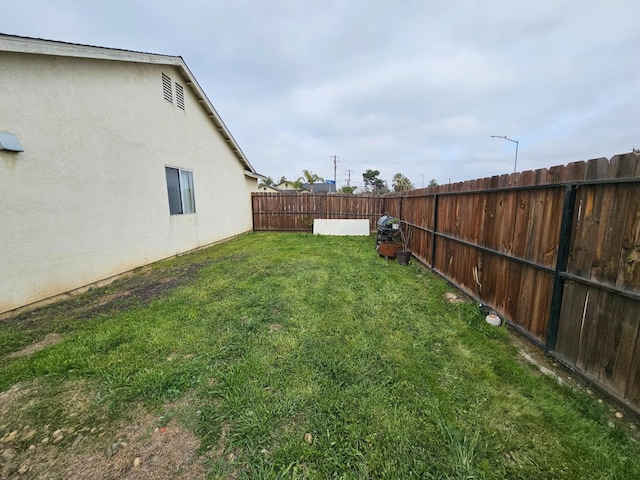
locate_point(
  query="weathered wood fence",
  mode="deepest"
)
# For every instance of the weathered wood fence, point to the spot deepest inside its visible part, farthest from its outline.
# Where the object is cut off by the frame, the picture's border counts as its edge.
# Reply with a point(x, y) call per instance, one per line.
point(555, 251)
point(295, 212)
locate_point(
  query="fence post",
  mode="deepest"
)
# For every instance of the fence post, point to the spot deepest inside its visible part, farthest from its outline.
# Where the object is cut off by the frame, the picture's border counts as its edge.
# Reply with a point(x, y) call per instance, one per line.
point(435, 230)
point(564, 246)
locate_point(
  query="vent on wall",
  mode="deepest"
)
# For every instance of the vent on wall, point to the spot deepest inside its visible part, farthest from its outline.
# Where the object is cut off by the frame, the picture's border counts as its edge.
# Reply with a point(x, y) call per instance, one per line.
point(179, 96)
point(9, 142)
point(166, 88)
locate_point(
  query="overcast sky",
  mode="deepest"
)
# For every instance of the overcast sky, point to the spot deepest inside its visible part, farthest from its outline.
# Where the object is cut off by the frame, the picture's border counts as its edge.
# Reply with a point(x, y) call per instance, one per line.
point(416, 87)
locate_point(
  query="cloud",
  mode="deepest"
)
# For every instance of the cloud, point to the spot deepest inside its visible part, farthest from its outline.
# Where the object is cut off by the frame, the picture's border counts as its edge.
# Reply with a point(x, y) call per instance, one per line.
point(410, 86)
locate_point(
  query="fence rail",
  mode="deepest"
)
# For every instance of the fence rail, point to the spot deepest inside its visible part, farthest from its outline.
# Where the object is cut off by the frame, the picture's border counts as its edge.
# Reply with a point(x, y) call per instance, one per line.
point(554, 251)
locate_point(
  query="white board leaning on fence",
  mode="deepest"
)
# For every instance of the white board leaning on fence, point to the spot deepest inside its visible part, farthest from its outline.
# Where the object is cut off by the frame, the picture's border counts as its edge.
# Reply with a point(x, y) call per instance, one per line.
point(359, 227)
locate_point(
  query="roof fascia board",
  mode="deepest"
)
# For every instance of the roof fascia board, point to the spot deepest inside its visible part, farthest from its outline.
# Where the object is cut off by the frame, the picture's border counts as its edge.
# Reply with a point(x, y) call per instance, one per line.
point(11, 43)
point(255, 175)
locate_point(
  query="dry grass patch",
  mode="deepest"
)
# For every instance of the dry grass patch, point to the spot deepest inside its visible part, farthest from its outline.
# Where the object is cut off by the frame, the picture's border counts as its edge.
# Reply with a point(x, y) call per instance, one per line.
point(139, 445)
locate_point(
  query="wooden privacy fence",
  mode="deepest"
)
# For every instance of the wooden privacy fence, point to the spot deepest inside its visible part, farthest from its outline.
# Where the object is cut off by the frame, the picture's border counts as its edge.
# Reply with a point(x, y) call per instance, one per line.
point(295, 212)
point(554, 251)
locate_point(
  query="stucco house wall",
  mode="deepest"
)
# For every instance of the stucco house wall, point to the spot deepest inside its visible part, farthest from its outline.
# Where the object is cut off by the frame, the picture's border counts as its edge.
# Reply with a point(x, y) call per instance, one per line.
point(87, 199)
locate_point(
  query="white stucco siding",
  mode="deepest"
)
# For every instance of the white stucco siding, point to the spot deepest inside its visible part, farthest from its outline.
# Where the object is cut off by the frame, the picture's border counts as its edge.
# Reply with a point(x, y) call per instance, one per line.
point(87, 199)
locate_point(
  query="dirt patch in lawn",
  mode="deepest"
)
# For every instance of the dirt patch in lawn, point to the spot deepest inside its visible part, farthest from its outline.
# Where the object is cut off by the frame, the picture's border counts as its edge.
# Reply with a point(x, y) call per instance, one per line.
point(139, 290)
point(143, 446)
point(49, 340)
point(136, 288)
point(540, 364)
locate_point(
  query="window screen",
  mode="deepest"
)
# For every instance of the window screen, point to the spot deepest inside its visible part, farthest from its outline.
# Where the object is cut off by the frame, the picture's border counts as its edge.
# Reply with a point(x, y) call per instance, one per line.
point(180, 191)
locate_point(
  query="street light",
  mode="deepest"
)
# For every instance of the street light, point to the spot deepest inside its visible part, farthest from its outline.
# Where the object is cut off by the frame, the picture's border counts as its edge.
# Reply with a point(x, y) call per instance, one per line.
point(515, 163)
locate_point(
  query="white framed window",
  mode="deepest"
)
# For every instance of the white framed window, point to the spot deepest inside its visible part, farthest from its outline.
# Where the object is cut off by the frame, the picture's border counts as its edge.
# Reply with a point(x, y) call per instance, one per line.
point(180, 190)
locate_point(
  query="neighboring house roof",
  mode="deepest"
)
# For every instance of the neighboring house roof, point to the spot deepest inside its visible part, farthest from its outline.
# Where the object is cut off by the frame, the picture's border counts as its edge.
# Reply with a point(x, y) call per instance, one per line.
point(269, 188)
point(321, 187)
point(286, 187)
point(13, 43)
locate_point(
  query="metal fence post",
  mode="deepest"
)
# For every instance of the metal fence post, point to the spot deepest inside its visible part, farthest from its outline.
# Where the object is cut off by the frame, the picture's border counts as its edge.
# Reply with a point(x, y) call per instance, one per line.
point(564, 247)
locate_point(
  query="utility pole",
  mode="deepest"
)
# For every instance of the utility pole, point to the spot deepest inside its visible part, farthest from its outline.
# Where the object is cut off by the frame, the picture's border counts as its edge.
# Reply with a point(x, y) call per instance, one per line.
point(349, 177)
point(335, 162)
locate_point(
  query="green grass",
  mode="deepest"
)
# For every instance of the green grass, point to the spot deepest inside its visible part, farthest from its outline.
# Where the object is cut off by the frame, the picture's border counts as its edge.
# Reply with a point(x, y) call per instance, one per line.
point(272, 336)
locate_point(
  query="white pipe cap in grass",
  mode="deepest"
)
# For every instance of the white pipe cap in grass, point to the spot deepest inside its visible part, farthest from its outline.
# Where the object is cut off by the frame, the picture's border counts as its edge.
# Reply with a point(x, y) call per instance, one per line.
point(493, 319)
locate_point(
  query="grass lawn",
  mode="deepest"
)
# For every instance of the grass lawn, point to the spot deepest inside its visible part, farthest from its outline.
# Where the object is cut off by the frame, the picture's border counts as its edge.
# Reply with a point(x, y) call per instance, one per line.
point(289, 356)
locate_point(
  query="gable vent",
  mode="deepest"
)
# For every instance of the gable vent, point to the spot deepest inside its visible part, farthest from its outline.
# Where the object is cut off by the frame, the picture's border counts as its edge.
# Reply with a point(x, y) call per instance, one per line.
point(179, 96)
point(166, 88)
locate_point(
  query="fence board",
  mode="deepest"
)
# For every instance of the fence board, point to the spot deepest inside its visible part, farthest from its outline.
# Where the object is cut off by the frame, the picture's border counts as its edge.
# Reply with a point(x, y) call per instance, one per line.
point(628, 276)
point(593, 330)
point(632, 393)
point(574, 304)
point(614, 201)
point(619, 345)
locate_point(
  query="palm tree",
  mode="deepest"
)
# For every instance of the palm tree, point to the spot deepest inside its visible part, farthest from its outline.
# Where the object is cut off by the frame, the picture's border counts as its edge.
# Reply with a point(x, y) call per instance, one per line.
point(296, 184)
point(267, 182)
point(401, 183)
point(311, 178)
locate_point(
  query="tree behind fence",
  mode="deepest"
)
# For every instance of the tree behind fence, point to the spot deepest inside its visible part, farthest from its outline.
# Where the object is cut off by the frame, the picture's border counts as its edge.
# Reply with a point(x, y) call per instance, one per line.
point(500, 240)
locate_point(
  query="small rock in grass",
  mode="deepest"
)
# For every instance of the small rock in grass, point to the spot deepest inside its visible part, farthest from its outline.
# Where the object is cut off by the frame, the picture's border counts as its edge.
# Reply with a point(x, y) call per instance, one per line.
point(619, 415)
point(58, 439)
point(264, 451)
point(136, 462)
point(23, 469)
point(8, 454)
point(589, 392)
point(58, 433)
point(308, 438)
point(93, 430)
point(10, 437)
point(231, 457)
point(29, 435)
point(45, 440)
point(77, 440)
point(32, 447)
